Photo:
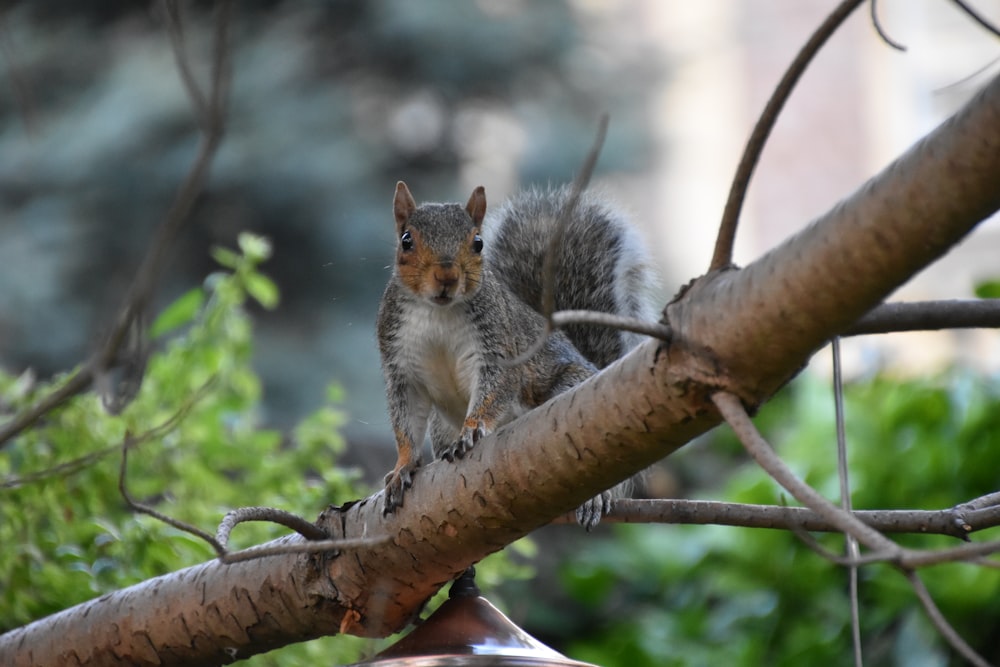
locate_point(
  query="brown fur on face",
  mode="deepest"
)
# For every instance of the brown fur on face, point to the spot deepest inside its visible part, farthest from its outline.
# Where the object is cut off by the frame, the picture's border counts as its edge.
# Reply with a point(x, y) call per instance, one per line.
point(434, 277)
point(449, 267)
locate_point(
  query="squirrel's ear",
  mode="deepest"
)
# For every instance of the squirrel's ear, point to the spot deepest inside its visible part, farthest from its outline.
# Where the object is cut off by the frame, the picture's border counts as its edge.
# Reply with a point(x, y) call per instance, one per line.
point(402, 204)
point(476, 207)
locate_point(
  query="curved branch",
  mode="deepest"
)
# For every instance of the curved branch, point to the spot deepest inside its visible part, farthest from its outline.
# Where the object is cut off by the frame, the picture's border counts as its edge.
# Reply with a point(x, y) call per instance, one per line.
point(877, 24)
point(758, 448)
point(651, 329)
point(722, 256)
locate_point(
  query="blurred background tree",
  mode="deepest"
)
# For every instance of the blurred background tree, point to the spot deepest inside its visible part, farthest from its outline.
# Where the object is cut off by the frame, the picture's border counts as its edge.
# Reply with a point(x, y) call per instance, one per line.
point(332, 103)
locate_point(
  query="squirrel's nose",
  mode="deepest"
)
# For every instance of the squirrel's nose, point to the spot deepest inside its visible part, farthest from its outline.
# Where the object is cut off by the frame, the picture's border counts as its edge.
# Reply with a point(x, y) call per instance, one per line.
point(446, 275)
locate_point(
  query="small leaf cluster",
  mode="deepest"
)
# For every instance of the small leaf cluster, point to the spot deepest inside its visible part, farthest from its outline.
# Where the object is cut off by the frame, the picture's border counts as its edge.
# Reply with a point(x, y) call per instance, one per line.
point(196, 449)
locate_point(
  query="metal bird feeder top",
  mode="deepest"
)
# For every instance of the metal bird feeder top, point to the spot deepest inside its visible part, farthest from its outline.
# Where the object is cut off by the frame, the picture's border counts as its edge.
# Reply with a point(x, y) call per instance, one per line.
point(469, 631)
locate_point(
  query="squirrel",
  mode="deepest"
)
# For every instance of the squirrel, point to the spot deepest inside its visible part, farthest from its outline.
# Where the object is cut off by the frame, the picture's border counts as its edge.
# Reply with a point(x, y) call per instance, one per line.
point(465, 297)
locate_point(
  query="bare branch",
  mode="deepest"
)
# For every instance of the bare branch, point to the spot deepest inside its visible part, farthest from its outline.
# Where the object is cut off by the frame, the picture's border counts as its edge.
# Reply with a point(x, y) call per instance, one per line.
point(881, 31)
point(950, 522)
point(76, 383)
point(652, 329)
point(913, 559)
point(555, 243)
point(759, 449)
point(135, 506)
point(175, 30)
point(989, 501)
point(723, 254)
point(928, 316)
point(941, 623)
point(333, 547)
point(851, 544)
point(306, 529)
point(977, 17)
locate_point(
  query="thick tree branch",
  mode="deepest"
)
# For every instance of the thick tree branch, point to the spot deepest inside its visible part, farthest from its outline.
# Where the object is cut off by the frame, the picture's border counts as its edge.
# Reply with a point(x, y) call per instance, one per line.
point(761, 323)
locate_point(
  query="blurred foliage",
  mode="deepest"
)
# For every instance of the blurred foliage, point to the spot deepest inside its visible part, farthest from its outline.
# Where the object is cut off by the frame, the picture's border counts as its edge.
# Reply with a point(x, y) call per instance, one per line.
point(198, 451)
point(701, 595)
point(988, 289)
point(331, 104)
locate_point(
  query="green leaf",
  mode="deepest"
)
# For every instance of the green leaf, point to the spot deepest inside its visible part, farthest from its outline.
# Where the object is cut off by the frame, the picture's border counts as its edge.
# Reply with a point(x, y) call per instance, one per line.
point(263, 289)
point(179, 313)
point(989, 289)
point(226, 257)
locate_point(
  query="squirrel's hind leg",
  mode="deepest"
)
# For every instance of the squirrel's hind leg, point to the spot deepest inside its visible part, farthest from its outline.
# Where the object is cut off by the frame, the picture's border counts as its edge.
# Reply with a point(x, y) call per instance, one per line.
point(591, 512)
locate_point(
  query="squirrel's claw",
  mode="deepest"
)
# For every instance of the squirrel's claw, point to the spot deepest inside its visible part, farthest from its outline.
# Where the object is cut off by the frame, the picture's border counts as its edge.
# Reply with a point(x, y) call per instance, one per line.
point(467, 439)
point(396, 483)
point(590, 513)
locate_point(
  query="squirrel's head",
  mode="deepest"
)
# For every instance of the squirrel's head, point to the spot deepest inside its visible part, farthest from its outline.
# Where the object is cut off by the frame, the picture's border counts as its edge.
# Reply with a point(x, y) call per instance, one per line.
point(439, 249)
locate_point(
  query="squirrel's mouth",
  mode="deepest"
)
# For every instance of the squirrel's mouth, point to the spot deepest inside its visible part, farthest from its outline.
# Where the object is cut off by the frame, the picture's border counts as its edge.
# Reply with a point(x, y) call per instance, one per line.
point(441, 299)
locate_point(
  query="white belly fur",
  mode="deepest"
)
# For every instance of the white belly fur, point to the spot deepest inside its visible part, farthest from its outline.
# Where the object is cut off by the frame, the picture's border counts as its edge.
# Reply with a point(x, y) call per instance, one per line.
point(439, 350)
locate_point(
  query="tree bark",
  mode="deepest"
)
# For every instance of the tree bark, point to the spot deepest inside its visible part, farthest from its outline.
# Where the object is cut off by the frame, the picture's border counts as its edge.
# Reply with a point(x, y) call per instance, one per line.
point(747, 331)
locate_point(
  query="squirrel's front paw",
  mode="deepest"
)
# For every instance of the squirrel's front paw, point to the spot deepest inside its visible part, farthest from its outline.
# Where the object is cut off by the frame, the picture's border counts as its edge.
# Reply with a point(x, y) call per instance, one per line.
point(396, 483)
point(590, 513)
point(471, 434)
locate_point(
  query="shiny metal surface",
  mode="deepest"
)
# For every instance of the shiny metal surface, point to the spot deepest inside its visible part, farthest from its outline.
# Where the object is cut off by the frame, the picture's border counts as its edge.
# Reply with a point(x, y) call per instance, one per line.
point(469, 631)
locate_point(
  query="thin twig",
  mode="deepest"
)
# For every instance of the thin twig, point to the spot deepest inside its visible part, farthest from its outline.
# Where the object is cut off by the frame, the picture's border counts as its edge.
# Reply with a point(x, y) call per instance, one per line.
point(722, 257)
point(758, 448)
point(967, 78)
point(736, 416)
point(851, 544)
point(555, 243)
point(881, 31)
point(982, 502)
point(914, 558)
point(596, 317)
point(175, 30)
point(146, 509)
point(75, 384)
point(75, 465)
point(942, 624)
point(305, 528)
point(318, 541)
point(311, 547)
point(710, 512)
point(928, 316)
point(977, 17)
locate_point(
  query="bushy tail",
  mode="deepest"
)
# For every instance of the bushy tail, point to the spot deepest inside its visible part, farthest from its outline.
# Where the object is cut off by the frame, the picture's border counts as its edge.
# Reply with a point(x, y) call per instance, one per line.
point(602, 265)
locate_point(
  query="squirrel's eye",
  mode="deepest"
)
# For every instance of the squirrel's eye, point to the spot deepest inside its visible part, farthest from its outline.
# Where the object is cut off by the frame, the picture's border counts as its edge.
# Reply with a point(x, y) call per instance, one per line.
point(406, 240)
point(477, 244)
